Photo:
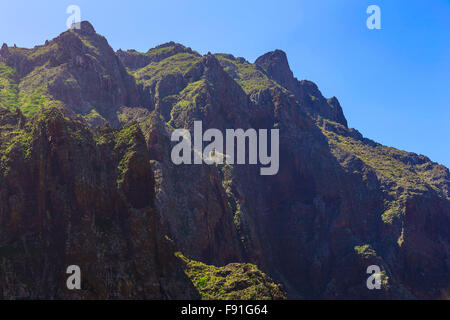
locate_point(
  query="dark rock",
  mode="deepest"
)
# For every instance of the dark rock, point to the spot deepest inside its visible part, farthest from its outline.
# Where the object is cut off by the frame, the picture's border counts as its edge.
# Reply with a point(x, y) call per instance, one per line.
point(67, 200)
point(339, 203)
point(276, 66)
point(85, 27)
point(4, 52)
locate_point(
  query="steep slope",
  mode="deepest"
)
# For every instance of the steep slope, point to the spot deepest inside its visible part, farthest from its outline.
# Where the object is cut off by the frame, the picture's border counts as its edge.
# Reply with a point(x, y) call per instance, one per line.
point(339, 203)
point(192, 200)
point(416, 207)
point(316, 218)
point(71, 197)
point(276, 66)
point(77, 71)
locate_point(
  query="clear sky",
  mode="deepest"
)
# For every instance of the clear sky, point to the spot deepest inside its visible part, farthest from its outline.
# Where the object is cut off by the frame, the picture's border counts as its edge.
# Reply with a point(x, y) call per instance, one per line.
point(393, 83)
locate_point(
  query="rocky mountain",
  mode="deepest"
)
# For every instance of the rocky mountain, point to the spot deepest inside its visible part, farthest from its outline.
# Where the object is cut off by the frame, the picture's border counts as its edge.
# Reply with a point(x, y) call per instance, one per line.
point(86, 178)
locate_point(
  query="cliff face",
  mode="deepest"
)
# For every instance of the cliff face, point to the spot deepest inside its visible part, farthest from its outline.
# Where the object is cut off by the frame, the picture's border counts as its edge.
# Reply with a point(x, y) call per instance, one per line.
point(105, 198)
point(73, 197)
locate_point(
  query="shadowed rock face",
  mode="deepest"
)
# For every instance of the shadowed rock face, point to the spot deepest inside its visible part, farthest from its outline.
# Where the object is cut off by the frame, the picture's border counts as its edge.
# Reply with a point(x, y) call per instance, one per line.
point(276, 66)
point(106, 198)
point(73, 197)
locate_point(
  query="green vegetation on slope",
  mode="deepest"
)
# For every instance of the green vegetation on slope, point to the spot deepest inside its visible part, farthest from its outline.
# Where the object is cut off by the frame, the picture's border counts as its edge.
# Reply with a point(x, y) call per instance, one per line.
point(237, 281)
point(365, 251)
point(126, 141)
point(401, 174)
point(186, 100)
point(16, 139)
point(245, 74)
point(30, 95)
point(41, 50)
point(162, 50)
point(8, 88)
point(15, 142)
point(387, 162)
point(32, 102)
point(178, 63)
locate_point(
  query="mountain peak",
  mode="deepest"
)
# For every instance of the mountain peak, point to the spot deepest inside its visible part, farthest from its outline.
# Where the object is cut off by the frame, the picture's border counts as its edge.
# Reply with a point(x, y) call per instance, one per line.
point(273, 60)
point(85, 27)
point(272, 56)
point(167, 49)
point(167, 45)
point(275, 64)
point(336, 111)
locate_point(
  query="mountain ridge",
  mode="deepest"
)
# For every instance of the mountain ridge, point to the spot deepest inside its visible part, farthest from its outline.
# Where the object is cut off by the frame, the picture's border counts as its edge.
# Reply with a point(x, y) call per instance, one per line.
point(340, 202)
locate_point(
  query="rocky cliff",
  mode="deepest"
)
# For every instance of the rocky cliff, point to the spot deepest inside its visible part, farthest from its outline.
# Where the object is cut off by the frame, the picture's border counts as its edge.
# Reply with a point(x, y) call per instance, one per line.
point(86, 178)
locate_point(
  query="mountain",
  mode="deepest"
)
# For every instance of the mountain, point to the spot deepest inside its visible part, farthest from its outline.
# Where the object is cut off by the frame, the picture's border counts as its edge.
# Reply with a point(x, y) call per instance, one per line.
point(86, 178)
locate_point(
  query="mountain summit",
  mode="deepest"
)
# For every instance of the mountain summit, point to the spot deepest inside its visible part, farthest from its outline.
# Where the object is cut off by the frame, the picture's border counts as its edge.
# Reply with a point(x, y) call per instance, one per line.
point(85, 27)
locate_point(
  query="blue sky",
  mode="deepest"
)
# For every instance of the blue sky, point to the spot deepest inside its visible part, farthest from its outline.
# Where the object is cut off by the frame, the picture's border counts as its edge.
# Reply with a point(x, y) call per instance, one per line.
point(393, 83)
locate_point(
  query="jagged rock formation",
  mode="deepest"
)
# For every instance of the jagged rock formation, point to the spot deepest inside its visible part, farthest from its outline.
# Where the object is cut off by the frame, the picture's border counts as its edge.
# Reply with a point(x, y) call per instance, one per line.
point(339, 203)
point(73, 197)
point(275, 65)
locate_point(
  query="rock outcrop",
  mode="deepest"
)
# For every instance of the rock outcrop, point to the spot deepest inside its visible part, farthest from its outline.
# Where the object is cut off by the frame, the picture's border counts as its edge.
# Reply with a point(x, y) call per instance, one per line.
point(70, 196)
point(276, 66)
